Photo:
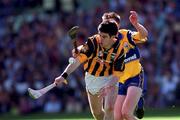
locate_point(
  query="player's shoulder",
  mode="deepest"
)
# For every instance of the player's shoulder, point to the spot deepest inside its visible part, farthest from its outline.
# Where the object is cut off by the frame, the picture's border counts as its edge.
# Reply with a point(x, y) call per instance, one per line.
point(94, 38)
point(124, 31)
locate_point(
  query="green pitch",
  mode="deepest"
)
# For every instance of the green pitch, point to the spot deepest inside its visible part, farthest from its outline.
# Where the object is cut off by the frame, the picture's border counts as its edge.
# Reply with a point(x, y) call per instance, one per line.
point(150, 114)
point(146, 118)
point(161, 118)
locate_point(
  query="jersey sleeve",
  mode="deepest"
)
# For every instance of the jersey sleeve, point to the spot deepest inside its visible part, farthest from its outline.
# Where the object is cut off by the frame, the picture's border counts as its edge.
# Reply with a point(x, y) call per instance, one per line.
point(86, 51)
point(137, 38)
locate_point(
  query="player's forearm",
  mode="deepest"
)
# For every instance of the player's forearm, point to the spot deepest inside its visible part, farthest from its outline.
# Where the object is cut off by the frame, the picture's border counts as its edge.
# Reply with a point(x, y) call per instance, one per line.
point(72, 67)
point(142, 30)
point(69, 69)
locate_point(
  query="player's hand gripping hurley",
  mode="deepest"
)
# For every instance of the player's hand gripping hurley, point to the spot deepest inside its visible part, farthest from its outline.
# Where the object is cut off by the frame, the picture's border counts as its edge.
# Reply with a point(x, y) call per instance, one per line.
point(38, 93)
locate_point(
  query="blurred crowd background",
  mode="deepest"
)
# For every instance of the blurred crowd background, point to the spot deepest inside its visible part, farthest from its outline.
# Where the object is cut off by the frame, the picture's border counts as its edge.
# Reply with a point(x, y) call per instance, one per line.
point(35, 47)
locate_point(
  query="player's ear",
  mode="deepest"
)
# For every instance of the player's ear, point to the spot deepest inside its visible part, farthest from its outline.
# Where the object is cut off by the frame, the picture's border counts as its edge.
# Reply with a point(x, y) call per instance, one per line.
point(113, 36)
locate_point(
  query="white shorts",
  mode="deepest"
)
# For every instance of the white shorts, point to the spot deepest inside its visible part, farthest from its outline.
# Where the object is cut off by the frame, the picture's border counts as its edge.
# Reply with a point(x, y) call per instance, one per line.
point(94, 84)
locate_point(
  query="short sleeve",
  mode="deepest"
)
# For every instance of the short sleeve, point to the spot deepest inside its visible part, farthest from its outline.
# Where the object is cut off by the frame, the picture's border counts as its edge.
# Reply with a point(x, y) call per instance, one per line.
point(86, 51)
point(137, 39)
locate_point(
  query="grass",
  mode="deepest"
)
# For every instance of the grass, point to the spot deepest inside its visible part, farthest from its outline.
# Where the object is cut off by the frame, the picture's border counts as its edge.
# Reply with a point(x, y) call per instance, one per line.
point(162, 118)
point(150, 114)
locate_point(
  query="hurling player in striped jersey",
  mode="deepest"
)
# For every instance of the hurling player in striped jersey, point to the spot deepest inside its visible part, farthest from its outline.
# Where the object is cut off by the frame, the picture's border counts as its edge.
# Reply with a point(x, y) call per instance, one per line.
point(102, 56)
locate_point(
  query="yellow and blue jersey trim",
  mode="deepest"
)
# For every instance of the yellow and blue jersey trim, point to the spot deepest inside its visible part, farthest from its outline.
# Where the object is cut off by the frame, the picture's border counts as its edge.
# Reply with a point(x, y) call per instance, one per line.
point(132, 62)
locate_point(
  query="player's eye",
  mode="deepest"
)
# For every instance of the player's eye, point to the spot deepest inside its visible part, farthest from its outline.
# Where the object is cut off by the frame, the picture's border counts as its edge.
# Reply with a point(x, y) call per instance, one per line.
point(104, 36)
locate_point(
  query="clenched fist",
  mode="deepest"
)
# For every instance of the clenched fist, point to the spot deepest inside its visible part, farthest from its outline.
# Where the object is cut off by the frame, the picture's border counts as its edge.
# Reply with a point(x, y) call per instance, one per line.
point(133, 18)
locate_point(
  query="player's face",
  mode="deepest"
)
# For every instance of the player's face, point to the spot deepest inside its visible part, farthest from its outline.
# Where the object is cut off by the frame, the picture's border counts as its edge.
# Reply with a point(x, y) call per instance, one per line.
point(106, 40)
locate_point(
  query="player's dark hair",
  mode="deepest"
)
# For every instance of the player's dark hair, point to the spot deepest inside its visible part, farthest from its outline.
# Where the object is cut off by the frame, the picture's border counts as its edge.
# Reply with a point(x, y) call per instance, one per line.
point(112, 15)
point(108, 27)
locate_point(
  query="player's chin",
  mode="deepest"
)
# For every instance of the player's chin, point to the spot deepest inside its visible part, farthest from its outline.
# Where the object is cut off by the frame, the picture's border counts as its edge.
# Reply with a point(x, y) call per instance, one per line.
point(104, 45)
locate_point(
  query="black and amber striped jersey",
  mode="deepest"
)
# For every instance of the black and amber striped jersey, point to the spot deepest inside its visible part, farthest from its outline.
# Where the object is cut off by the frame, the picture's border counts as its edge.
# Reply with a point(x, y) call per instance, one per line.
point(99, 61)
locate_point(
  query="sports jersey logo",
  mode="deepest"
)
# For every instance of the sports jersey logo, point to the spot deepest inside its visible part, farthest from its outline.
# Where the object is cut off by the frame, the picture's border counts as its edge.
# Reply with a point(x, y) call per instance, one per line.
point(130, 58)
point(100, 58)
point(126, 45)
point(103, 61)
point(100, 54)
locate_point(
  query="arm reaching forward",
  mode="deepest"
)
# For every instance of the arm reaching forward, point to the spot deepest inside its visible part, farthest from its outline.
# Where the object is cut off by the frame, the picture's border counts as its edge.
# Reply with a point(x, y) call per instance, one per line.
point(69, 69)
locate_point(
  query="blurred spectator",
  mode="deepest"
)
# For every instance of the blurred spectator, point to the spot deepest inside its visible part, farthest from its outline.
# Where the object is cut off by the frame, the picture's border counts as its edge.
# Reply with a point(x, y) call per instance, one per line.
point(4, 102)
point(53, 104)
point(168, 87)
point(73, 105)
point(24, 106)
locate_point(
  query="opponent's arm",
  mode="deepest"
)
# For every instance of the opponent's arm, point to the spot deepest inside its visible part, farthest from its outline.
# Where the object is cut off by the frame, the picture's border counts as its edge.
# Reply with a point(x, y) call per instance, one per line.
point(140, 28)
